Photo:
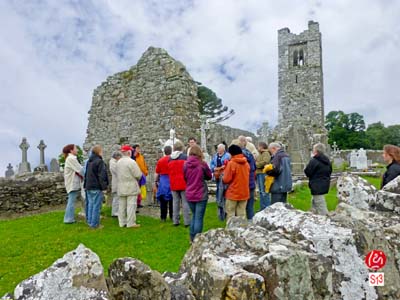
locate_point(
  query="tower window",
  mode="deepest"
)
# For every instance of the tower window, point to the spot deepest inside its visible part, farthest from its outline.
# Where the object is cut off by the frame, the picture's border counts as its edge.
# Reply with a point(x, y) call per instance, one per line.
point(295, 58)
point(296, 78)
point(301, 57)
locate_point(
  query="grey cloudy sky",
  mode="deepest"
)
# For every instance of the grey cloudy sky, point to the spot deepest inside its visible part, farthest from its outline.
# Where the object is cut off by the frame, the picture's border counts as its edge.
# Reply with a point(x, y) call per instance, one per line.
point(55, 53)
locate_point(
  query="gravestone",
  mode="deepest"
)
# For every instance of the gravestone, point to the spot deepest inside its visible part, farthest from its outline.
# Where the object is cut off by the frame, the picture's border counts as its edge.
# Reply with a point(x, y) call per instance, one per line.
point(362, 162)
point(54, 166)
point(24, 166)
point(10, 171)
point(353, 159)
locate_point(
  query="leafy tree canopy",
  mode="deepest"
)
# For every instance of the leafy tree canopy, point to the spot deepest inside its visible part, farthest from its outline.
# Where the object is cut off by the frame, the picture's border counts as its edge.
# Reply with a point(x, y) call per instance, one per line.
point(349, 132)
point(211, 106)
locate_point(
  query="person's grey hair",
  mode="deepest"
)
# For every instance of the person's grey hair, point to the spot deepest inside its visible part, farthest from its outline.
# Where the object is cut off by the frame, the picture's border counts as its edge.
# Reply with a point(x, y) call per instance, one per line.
point(275, 145)
point(178, 146)
point(320, 148)
point(249, 139)
point(221, 146)
point(116, 154)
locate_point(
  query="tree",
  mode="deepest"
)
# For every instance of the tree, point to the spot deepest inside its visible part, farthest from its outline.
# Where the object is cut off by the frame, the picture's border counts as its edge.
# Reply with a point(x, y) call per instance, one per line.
point(393, 135)
point(347, 130)
point(376, 135)
point(211, 106)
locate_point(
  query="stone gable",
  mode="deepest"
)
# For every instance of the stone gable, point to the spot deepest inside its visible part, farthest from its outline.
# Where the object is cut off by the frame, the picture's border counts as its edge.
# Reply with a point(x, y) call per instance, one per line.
point(142, 104)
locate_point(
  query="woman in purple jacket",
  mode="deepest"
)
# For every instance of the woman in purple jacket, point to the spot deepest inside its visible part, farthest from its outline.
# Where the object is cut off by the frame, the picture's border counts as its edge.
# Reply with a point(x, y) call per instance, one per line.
point(196, 173)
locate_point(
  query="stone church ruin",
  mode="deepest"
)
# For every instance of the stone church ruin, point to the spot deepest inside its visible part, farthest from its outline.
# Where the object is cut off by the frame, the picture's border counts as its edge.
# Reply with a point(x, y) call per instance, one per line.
point(142, 104)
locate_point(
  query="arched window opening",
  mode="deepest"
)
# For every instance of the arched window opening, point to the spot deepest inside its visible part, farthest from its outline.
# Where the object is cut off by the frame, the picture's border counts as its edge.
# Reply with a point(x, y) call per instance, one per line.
point(301, 58)
point(295, 58)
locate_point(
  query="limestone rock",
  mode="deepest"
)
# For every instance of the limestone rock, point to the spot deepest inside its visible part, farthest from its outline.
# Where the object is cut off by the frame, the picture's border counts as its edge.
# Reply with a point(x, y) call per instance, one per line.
point(129, 278)
point(393, 186)
point(387, 201)
point(355, 191)
point(78, 275)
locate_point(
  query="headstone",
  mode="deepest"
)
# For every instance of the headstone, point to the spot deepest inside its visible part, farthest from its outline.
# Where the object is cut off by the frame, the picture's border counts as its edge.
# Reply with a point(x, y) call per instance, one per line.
point(54, 166)
point(353, 159)
point(362, 163)
point(10, 171)
point(24, 166)
point(42, 166)
point(203, 138)
point(338, 161)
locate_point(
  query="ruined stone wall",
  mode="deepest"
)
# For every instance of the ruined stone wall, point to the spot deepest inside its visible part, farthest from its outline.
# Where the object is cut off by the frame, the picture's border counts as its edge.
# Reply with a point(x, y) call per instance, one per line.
point(300, 93)
point(31, 192)
point(142, 104)
point(218, 133)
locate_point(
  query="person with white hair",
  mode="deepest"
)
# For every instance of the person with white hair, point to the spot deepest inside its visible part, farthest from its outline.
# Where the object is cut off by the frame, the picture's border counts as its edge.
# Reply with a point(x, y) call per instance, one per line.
point(319, 171)
point(281, 172)
point(128, 173)
point(251, 147)
point(217, 166)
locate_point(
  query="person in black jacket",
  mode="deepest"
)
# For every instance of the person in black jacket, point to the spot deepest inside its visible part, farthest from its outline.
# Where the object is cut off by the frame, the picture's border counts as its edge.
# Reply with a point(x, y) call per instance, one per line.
point(391, 155)
point(96, 182)
point(319, 172)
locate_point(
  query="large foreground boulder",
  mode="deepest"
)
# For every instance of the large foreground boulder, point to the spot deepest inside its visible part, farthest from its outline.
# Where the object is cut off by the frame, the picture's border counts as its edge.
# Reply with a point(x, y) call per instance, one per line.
point(290, 254)
point(78, 275)
point(130, 278)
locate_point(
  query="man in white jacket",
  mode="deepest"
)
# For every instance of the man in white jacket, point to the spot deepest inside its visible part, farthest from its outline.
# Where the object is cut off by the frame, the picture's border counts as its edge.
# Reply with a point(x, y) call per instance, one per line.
point(128, 174)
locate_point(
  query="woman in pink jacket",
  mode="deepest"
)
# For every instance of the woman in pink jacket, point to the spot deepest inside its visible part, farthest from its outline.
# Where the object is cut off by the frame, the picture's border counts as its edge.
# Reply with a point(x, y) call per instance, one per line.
point(196, 173)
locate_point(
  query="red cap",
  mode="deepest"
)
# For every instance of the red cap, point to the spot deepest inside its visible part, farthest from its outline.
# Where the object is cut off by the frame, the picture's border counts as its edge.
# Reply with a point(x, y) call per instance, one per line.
point(125, 148)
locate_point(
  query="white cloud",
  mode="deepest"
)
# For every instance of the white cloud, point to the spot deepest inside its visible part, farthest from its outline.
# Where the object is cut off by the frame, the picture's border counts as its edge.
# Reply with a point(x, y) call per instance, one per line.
point(54, 54)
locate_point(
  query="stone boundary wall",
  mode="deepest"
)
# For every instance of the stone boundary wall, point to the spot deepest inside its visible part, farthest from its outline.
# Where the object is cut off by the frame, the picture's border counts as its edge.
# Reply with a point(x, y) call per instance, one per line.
point(31, 192)
point(374, 155)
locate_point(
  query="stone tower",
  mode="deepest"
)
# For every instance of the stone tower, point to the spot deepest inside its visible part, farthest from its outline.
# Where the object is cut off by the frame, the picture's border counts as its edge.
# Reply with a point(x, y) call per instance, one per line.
point(142, 104)
point(301, 97)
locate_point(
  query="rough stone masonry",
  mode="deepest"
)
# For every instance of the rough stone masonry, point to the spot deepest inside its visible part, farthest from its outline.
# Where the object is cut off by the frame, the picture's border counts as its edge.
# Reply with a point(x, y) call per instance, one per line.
point(142, 104)
point(300, 93)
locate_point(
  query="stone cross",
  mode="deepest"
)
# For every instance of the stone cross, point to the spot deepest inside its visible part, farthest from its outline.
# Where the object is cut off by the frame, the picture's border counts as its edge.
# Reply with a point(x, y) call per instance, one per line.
point(335, 149)
point(41, 147)
point(24, 166)
point(10, 171)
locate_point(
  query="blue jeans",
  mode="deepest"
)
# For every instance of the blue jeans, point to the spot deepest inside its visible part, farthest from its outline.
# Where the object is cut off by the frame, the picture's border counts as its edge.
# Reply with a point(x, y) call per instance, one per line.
point(69, 216)
point(196, 224)
point(94, 199)
point(265, 200)
point(250, 205)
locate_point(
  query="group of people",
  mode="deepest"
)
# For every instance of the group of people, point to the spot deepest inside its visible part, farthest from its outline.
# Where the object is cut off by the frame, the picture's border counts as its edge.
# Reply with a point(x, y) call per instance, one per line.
point(180, 180)
point(129, 171)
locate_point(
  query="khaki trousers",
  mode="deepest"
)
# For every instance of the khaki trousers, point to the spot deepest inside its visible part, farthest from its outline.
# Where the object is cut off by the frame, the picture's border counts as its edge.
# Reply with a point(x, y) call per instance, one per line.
point(127, 211)
point(235, 208)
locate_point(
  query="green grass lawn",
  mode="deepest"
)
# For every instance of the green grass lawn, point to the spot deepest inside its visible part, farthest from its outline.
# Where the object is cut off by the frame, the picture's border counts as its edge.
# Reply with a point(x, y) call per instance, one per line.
point(30, 244)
